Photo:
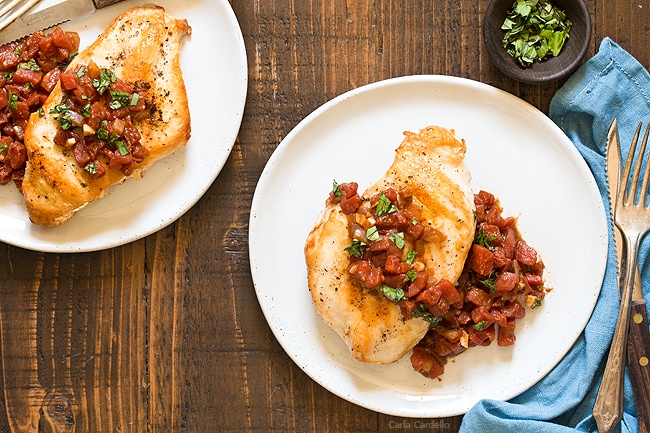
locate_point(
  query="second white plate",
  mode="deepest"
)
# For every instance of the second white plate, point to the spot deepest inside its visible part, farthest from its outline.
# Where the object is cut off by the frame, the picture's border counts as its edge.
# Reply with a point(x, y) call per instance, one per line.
point(213, 60)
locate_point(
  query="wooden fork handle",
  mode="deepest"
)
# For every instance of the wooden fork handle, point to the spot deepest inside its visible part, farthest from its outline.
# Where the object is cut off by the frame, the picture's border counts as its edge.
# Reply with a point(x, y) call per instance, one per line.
point(637, 360)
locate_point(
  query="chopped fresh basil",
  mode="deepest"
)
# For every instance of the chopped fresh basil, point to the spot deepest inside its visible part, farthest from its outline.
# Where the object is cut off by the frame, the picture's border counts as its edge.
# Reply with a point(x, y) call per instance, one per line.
point(372, 234)
point(134, 99)
point(398, 239)
point(102, 132)
point(121, 147)
point(396, 295)
point(410, 256)
point(422, 313)
point(113, 138)
point(60, 108)
point(490, 283)
point(63, 111)
point(411, 275)
point(41, 112)
point(534, 30)
point(356, 248)
point(90, 168)
point(106, 77)
point(4, 147)
point(85, 111)
point(30, 65)
point(13, 100)
point(336, 189)
point(537, 303)
point(480, 326)
point(114, 141)
point(384, 206)
point(82, 70)
point(118, 99)
point(483, 239)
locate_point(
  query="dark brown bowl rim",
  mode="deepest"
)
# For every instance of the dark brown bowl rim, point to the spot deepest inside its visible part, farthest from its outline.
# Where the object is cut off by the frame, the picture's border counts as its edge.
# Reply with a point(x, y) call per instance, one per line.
point(551, 69)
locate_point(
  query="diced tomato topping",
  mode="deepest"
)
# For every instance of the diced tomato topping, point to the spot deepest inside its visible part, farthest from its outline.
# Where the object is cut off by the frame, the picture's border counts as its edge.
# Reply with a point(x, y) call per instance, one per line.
point(449, 291)
point(394, 264)
point(23, 76)
point(483, 337)
point(8, 57)
point(514, 310)
point(506, 281)
point(350, 205)
point(415, 230)
point(375, 278)
point(4, 99)
point(419, 284)
point(68, 81)
point(477, 297)
point(525, 254)
point(30, 72)
point(481, 260)
point(534, 280)
point(478, 308)
point(381, 245)
point(507, 334)
point(426, 364)
point(61, 39)
point(429, 297)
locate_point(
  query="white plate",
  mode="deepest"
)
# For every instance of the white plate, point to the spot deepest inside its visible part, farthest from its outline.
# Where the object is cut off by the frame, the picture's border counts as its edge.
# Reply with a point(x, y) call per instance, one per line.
point(514, 151)
point(213, 60)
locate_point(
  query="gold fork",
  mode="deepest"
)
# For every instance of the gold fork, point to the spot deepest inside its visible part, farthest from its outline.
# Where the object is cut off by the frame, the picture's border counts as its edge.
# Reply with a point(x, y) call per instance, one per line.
point(11, 10)
point(632, 216)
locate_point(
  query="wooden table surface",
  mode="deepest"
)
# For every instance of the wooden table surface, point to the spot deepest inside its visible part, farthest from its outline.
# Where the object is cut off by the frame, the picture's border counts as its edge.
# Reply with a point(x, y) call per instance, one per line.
point(165, 333)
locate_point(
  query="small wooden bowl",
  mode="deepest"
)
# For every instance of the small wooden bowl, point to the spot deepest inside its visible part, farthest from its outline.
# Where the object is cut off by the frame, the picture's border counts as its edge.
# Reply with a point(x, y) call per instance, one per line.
point(551, 69)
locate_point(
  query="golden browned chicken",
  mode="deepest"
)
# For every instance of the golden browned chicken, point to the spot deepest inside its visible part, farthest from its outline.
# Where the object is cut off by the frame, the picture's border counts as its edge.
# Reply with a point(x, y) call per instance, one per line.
point(431, 165)
point(142, 47)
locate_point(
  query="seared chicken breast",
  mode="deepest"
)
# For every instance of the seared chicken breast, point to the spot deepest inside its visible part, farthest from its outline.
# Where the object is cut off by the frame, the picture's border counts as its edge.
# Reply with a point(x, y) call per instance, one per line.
point(141, 46)
point(430, 164)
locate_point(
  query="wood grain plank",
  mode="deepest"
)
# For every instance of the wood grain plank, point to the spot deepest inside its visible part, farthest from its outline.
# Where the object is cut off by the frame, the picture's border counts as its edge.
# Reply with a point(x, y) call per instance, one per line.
point(166, 334)
point(23, 395)
point(168, 251)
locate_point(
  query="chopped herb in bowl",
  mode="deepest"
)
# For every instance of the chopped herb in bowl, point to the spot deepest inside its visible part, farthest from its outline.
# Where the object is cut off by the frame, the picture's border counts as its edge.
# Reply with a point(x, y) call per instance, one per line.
point(535, 30)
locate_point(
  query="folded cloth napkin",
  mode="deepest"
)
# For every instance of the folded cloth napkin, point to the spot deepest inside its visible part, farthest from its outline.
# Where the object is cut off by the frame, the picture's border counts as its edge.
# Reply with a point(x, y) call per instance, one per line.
point(610, 85)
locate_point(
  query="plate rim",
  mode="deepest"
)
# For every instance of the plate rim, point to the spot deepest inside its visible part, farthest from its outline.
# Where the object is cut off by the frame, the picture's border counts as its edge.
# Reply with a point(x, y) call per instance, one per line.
point(229, 140)
point(283, 147)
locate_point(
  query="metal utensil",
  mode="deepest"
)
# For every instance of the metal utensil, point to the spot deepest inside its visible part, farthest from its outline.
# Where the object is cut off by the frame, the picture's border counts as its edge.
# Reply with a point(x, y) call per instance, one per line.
point(67, 10)
point(638, 346)
point(638, 350)
point(632, 216)
point(13, 9)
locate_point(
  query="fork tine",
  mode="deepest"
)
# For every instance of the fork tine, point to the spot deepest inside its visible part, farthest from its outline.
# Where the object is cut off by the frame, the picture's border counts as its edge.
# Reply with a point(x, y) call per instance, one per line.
point(633, 219)
point(646, 175)
point(634, 187)
point(637, 170)
point(9, 6)
point(17, 13)
point(624, 193)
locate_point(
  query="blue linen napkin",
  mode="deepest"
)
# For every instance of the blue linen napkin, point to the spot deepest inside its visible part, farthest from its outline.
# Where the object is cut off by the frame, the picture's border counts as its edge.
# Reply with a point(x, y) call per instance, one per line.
point(612, 84)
